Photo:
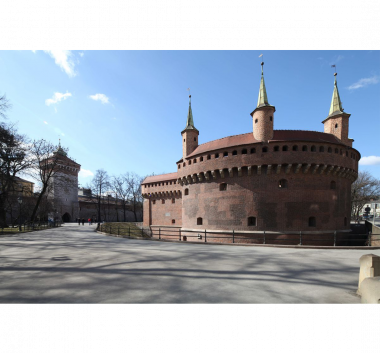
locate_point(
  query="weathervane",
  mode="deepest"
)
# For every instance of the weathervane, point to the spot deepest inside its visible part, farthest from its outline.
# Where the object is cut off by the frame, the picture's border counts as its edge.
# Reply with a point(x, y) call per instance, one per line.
point(262, 64)
point(334, 66)
point(189, 92)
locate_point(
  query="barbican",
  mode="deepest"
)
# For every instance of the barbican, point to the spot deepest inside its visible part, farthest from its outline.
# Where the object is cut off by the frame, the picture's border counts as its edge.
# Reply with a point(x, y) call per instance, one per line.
point(281, 181)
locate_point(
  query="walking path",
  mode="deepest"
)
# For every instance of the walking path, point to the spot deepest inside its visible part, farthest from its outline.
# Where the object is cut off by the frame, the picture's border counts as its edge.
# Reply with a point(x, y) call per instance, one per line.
point(74, 264)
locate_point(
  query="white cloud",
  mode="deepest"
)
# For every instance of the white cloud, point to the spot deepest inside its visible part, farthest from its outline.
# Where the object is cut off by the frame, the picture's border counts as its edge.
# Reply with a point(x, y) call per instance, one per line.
point(63, 58)
point(364, 82)
point(84, 173)
point(100, 97)
point(81, 54)
point(45, 122)
point(57, 97)
point(370, 160)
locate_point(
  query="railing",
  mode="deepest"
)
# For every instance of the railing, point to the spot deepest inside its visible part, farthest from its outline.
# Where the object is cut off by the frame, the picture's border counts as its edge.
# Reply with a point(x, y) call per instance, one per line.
point(300, 238)
point(30, 227)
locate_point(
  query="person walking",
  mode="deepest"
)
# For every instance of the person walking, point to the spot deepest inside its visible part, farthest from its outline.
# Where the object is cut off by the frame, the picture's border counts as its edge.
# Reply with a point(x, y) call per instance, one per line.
point(82, 221)
point(78, 219)
point(89, 221)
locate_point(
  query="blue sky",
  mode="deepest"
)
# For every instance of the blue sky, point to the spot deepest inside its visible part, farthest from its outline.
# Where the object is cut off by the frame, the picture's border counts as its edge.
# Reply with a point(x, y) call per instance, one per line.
point(124, 110)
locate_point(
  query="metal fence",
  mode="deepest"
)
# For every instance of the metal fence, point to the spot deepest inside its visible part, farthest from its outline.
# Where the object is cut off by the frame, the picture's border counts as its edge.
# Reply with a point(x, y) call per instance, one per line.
point(206, 236)
point(30, 227)
point(299, 238)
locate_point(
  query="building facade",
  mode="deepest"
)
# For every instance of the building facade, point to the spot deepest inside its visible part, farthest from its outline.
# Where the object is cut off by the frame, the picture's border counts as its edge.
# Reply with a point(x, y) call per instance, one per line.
point(265, 180)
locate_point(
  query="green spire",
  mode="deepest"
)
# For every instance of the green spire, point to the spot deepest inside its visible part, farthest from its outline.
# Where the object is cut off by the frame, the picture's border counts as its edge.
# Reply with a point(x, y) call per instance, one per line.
point(263, 98)
point(190, 121)
point(336, 104)
point(60, 150)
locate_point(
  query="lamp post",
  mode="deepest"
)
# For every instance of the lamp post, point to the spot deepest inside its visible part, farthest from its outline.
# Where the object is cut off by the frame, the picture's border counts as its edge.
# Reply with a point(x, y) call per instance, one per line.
point(19, 200)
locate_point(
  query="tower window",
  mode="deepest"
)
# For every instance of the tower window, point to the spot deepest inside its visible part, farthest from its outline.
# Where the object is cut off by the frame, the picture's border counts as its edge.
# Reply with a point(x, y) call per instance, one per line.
point(321, 149)
point(179, 166)
point(256, 121)
point(184, 164)
point(225, 154)
point(313, 149)
point(173, 221)
point(329, 150)
point(154, 202)
point(312, 222)
point(163, 201)
point(333, 185)
point(199, 221)
point(283, 184)
point(194, 160)
point(253, 150)
point(186, 191)
point(284, 148)
point(336, 126)
point(251, 221)
point(222, 187)
point(265, 149)
point(216, 155)
point(184, 140)
point(276, 148)
point(189, 161)
point(195, 139)
point(209, 156)
point(304, 148)
point(295, 148)
point(244, 151)
point(341, 152)
point(234, 153)
point(201, 159)
point(271, 118)
point(173, 200)
point(336, 150)
point(346, 153)
point(345, 221)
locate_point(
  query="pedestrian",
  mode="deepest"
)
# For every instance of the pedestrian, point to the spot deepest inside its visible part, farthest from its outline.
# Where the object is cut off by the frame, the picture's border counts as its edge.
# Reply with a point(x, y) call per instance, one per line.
point(82, 221)
point(89, 221)
point(78, 219)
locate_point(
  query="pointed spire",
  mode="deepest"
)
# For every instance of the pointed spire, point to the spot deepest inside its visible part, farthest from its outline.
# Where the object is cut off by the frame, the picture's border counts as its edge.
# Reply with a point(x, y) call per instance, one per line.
point(336, 104)
point(190, 121)
point(263, 98)
point(60, 149)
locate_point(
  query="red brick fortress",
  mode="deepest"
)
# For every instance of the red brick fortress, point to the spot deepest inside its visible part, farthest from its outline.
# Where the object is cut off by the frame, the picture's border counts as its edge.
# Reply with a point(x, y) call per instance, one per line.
point(279, 181)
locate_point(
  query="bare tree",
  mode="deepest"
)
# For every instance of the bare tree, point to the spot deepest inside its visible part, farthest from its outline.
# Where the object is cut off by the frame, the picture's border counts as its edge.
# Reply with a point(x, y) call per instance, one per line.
point(48, 161)
point(4, 106)
point(133, 182)
point(13, 161)
point(121, 190)
point(364, 189)
point(99, 185)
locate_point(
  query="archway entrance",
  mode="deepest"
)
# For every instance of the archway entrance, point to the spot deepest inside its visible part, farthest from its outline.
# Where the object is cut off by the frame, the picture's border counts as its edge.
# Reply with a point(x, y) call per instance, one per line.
point(66, 217)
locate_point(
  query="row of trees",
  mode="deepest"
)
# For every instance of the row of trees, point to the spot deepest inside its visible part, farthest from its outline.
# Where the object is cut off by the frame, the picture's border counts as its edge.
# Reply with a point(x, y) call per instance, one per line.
point(124, 189)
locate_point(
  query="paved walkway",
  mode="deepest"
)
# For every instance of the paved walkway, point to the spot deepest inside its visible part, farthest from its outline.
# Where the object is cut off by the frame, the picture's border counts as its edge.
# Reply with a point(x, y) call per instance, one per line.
point(73, 264)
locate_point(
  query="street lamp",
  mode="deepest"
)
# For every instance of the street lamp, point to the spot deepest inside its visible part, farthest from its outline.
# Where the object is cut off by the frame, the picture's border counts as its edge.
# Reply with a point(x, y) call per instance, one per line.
point(19, 200)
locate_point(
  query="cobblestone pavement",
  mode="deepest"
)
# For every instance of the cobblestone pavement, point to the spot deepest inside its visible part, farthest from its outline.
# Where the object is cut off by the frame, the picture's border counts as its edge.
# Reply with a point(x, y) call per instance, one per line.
point(74, 264)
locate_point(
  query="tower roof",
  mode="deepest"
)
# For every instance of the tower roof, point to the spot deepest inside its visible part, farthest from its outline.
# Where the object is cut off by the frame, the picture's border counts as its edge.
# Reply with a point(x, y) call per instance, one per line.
point(263, 98)
point(60, 150)
point(190, 121)
point(336, 104)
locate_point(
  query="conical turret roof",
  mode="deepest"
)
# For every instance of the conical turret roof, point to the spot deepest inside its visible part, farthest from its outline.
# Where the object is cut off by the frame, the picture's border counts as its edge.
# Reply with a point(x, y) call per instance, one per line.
point(336, 104)
point(190, 120)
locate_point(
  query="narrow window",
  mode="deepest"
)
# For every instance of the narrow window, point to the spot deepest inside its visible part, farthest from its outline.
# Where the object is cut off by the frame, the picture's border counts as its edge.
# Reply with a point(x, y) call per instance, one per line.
point(336, 150)
point(234, 153)
point(312, 222)
point(201, 159)
point(173, 200)
point(321, 149)
point(329, 150)
point(199, 221)
point(195, 139)
point(304, 148)
point(251, 221)
point(276, 148)
point(284, 148)
point(295, 148)
point(346, 153)
point(154, 202)
point(184, 164)
point(341, 152)
point(194, 160)
point(163, 201)
point(173, 221)
point(225, 154)
point(271, 118)
point(184, 140)
point(333, 185)
point(189, 161)
point(186, 191)
point(256, 121)
point(209, 156)
point(179, 166)
point(313, 149)
point(253, 150)
point(244, 151)
point(170, 183)
point(216, 155)
point(345, 221)
point(222, 186)
point(283, 183)
point(336, 126)
point(265, 149)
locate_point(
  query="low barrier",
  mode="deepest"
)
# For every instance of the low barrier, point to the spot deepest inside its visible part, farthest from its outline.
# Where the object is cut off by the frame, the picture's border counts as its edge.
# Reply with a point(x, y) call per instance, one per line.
point(30, 227)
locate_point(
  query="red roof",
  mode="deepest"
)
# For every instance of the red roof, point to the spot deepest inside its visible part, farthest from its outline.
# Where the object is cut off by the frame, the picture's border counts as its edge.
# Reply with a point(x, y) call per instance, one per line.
point(278, 135)
point(161, 177)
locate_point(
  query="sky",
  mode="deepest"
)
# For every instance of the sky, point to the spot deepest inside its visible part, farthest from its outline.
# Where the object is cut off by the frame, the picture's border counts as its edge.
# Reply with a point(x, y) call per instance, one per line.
point(123, 111)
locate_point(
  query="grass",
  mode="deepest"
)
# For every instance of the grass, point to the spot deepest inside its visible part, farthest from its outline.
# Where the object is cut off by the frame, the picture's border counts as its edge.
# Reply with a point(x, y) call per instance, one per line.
point(24, 229)
point(124, 230)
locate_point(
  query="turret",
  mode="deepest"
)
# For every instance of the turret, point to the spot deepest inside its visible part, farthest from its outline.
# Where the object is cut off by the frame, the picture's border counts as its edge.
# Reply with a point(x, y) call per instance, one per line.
point(189, 134)
point(337, 121)
point(263, 115)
